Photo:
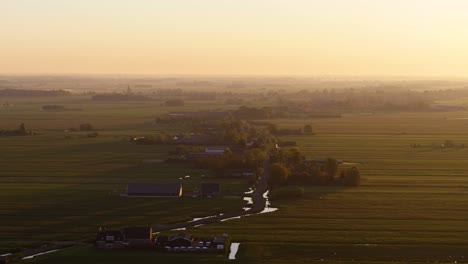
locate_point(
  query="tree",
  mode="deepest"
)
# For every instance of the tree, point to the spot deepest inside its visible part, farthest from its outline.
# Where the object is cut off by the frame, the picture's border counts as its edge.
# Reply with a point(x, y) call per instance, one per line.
point(294, 157)
point(231, 136)
point(277, 174)
point(272, 128)
point(448, 144)
point(351, 177)
point(254, 157)
point(308, 129)
point(22, 129)
point(331, 167)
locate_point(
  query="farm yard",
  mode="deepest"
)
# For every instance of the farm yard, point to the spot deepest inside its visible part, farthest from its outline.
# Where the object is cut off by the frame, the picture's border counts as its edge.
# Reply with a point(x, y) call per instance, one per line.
point(410, 206)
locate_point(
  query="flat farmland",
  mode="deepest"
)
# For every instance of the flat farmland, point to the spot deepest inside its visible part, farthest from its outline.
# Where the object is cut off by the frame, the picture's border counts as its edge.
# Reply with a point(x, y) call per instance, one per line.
point(410, 207)
point(109, 115)
point(55, 188)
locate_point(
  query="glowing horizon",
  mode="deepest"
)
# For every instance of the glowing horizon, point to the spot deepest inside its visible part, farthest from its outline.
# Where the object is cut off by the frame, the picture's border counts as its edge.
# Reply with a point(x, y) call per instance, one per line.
point(227, 37)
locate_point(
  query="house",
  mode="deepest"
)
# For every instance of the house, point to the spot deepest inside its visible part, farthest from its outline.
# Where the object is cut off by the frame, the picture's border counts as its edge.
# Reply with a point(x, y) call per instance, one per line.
point(154, 190)
point(138, 236)
point(109, 239)
point(204, 242)
point(162, 241)
point(180, 240)
point(221, 242)
point(210, 190)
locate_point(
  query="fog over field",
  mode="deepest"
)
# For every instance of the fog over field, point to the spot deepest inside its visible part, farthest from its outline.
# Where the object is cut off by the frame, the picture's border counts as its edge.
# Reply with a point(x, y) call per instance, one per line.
point(241, 83)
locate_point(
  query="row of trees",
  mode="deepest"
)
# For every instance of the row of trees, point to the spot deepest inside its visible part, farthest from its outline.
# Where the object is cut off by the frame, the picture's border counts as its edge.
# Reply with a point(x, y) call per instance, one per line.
point(20, 131)
point(291, 167)
point(33, 93)
point(249, 160)
point(274, 130)
point(119, 97)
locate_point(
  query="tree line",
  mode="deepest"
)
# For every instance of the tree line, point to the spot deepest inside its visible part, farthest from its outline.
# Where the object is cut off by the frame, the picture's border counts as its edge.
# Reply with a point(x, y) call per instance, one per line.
point(291, 168)
point(32, 93)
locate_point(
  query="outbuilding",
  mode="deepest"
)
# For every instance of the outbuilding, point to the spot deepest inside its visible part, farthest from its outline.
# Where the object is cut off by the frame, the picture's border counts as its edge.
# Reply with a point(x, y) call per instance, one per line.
point(109, 239)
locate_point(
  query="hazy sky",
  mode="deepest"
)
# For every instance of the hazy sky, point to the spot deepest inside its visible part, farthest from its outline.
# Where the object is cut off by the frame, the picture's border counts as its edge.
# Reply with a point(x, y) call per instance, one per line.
point(293, 37)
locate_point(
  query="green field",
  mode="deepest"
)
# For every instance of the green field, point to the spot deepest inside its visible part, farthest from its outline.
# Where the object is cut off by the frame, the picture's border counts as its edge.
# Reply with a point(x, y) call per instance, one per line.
point(61, 185)
point(410, 207)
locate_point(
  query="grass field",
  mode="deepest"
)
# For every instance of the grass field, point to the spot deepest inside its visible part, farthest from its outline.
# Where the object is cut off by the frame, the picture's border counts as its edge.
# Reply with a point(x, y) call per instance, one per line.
point(63, 186)
point(411, 206)
point(63, 189)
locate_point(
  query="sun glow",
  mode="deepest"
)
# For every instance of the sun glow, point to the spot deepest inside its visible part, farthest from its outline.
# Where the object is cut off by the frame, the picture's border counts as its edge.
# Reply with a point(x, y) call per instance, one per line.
point(338, 37)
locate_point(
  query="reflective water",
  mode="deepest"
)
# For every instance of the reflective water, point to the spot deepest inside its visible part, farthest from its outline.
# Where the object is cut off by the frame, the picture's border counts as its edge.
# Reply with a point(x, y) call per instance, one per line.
point(43, 253)
point(234, 249)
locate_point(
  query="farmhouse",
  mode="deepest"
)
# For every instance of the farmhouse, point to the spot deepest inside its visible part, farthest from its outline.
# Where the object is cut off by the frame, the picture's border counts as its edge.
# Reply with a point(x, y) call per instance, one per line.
point(180, 240)
point(109, 239)
point(220, 242)
point(138, 236)
point(210, 190)
point(154, 190)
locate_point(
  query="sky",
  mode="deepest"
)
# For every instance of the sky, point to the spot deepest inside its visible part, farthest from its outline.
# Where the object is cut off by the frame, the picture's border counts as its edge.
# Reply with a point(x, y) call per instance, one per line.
point(241, 37)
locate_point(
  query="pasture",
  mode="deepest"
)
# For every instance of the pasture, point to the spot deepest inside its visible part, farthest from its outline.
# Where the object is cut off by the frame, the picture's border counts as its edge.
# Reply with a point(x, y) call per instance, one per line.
point(410, 207)
point(61, 185)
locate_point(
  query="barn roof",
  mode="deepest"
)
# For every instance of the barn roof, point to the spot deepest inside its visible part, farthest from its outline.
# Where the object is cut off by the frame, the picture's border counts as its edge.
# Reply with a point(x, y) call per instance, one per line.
point(181, 236)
